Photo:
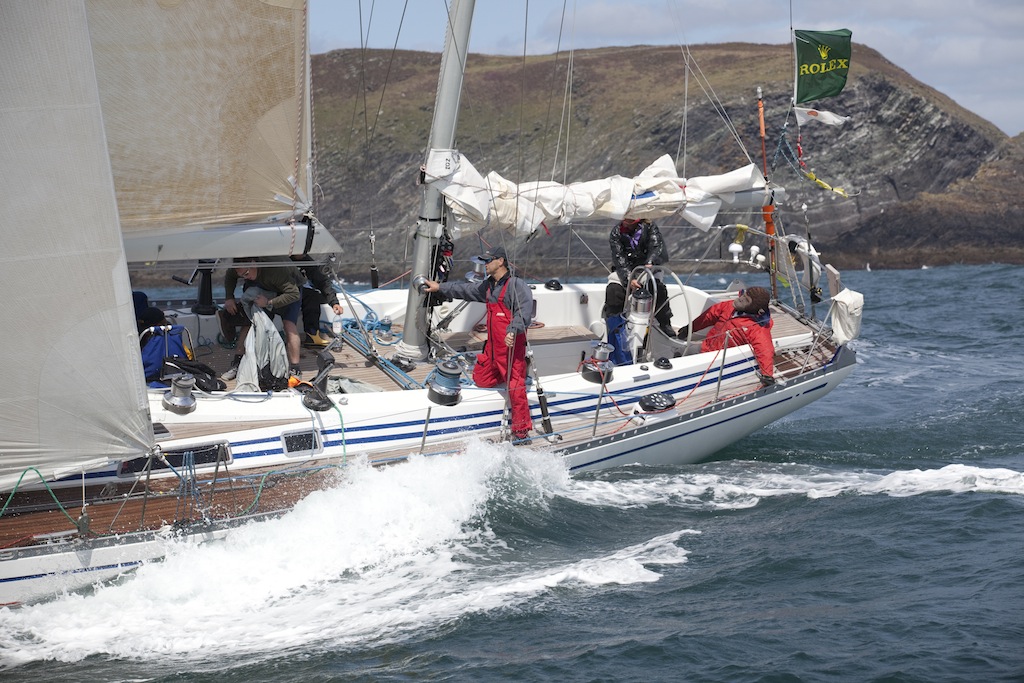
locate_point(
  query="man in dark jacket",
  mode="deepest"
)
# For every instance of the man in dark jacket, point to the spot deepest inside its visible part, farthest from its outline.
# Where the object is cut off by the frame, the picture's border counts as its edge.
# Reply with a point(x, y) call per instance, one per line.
point(318, 290)
point(634, 243)
point(282, 282)
point(509, 308)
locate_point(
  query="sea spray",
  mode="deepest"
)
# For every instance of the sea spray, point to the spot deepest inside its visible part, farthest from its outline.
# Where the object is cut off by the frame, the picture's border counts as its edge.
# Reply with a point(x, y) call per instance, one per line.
point(385, 551)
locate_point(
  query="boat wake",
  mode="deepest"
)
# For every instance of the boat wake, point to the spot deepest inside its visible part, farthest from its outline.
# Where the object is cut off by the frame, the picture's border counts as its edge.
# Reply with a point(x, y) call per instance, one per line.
point(385, 553)
point(391, 551)
point(738, 485)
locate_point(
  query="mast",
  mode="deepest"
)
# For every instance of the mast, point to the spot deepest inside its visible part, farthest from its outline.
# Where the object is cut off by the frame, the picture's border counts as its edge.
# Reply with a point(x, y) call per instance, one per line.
point(430, 227)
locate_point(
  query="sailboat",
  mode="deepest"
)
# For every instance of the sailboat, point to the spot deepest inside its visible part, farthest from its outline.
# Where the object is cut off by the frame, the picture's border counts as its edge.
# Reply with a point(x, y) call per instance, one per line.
point(130, 162)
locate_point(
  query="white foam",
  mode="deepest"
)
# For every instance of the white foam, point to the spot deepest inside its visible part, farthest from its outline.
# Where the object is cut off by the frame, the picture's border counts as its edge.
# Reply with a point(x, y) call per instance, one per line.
point(384, 554)
point(951, 478)
point(736, 485)
point(389, 552)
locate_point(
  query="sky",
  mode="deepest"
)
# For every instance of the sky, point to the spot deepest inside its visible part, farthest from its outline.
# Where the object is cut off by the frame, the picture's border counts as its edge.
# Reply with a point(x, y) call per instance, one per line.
point(970, 50)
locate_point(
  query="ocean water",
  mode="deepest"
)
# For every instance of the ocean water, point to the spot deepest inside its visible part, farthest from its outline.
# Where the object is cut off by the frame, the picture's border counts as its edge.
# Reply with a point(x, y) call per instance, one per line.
point(877, 535)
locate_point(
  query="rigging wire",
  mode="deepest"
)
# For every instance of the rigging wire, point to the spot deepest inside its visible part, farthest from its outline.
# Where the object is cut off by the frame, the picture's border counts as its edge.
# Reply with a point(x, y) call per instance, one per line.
point(371, 130)
point(560, 134)
point(565, 120)
point(716, 103)
point(681, 147)
point(563, 135)
point(683, 137)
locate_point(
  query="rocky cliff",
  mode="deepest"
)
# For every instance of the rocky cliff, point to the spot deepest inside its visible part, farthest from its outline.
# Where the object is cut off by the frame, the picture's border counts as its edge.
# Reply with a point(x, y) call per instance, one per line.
point(929, 182)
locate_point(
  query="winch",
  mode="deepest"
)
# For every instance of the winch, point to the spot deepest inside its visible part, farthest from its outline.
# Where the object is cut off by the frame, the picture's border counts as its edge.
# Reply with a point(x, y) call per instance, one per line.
point(444, 387)
point(598, 368)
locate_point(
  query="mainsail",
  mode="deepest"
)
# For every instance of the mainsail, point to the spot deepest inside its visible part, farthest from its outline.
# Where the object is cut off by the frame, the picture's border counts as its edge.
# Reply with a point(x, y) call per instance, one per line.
point(206, 111)
point(73, 383)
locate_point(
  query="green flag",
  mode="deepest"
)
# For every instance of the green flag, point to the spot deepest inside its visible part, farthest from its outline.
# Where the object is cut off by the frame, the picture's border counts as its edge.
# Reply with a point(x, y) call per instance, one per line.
point(822, 63)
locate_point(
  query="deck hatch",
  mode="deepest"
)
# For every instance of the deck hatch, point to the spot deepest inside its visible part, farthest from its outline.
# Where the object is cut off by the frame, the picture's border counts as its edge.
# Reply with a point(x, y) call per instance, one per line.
point(306, 442)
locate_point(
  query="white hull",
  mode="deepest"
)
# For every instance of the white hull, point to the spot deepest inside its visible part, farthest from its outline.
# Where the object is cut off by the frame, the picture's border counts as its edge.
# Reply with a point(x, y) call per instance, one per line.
point(395, 422)
point(32, 574)
point(695, 437)
point(387, 426)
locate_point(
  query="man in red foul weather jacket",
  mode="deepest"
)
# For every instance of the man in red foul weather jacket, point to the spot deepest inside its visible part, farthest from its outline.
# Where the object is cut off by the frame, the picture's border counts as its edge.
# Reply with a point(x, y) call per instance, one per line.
point(746, 320)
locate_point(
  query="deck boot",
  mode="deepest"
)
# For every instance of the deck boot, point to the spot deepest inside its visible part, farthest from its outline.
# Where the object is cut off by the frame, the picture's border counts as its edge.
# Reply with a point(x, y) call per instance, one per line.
point(232, 370)
point(316, 340)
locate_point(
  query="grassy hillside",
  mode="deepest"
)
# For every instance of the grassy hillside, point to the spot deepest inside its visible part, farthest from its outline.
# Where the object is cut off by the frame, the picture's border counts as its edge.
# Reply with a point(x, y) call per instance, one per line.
point(615, 110)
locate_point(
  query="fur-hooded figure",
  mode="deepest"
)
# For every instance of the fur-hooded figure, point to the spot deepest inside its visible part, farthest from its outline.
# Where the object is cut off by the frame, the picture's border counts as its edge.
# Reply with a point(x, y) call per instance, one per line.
point(753, 302)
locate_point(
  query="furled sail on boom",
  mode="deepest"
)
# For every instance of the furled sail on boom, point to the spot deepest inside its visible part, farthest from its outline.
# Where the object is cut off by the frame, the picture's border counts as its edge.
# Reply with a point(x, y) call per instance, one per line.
point(477, 201)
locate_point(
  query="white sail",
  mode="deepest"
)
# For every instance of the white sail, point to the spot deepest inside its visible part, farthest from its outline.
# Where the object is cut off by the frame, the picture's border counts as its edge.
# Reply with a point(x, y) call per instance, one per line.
point(206, 110)
point(73, 385)
point(476, 201)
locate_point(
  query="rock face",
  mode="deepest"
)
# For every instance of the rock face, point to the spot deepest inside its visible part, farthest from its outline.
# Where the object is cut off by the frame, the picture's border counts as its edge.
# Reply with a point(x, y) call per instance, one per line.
point(928, 181)
point(975, 219)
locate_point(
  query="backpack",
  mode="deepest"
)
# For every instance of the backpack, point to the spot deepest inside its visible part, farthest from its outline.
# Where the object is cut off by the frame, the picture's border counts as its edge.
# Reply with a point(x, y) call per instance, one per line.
point(165, 353)
point(159, 343)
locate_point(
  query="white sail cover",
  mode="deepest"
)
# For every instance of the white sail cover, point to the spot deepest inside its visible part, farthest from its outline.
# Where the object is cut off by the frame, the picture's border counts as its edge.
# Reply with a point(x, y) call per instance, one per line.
point(72, 393)
point(206, 110)
point(847, 310)
point(477, 202)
